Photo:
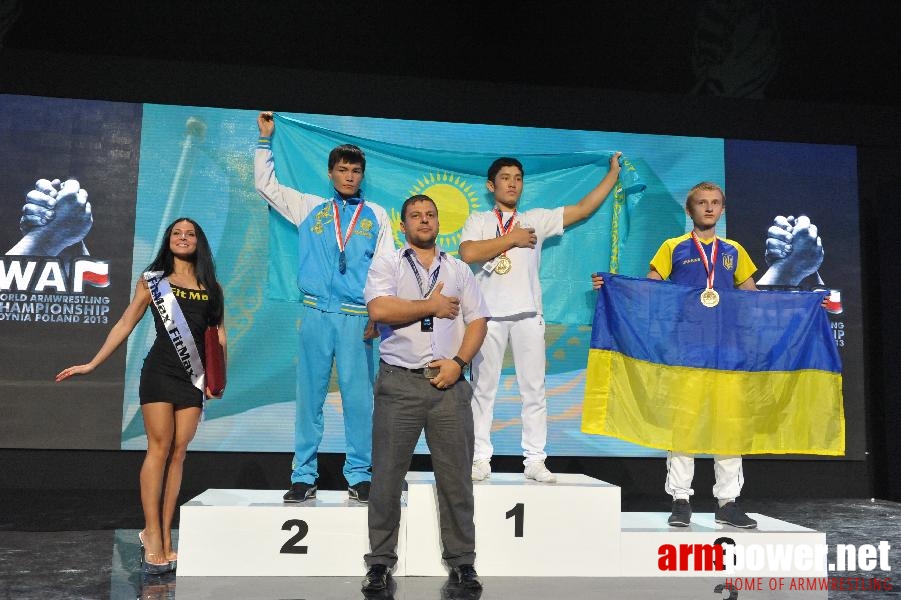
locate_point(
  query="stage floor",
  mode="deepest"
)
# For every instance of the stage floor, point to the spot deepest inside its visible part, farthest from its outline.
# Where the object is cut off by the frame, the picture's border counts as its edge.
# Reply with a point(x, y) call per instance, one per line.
point(83, 544)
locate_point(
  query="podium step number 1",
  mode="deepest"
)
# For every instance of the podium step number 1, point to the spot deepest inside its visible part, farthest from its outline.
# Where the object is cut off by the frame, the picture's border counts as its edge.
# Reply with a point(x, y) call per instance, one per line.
point(570, 528)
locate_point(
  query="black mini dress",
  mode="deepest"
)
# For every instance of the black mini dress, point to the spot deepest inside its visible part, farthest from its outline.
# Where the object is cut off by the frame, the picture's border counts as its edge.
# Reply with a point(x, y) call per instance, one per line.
point(163, 378)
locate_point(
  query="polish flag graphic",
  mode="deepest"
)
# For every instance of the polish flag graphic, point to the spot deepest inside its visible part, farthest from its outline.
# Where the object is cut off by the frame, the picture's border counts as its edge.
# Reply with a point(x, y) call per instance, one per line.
point(834, 302)
point(92, 272)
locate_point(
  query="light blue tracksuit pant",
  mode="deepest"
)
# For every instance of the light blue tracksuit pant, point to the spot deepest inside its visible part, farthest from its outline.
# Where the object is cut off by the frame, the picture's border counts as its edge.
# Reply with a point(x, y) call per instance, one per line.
point(338, 337)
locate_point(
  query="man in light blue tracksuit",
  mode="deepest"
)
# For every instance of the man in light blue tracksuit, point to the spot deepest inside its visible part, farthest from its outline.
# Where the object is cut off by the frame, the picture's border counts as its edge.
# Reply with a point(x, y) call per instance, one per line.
point(338, 238)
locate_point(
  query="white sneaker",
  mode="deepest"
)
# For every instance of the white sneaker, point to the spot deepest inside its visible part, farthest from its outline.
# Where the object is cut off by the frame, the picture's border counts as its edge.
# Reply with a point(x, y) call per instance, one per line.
point(537, 471)
point(481, 469)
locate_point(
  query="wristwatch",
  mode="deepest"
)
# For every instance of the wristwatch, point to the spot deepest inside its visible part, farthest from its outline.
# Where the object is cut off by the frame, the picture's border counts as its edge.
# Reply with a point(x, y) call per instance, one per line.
point(460, 362)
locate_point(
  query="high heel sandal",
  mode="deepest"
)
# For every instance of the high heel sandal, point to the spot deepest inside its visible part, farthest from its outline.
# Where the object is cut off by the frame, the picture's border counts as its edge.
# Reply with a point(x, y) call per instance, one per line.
point(148, 567)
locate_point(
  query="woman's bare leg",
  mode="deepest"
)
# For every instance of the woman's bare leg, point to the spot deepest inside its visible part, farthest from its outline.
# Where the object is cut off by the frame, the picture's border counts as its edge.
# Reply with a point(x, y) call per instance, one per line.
point(159, 423)
point(186, 420)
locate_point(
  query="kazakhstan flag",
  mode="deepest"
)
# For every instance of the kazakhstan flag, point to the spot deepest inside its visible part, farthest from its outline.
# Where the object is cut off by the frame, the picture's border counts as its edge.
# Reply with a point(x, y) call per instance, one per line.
point(757, 374)
point(456, 181)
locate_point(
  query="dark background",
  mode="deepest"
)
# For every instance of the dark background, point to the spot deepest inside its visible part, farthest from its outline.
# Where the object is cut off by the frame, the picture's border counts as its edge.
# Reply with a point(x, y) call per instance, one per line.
point(800, 71)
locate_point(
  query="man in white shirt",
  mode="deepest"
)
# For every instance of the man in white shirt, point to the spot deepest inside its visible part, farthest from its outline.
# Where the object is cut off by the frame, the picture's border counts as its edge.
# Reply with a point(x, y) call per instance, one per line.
point(432, 320)
point(506, 245)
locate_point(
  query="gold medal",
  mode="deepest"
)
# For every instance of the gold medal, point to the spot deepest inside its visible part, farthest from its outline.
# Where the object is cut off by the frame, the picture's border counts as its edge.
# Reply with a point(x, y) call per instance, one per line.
point(503, 265)
point(710, 298)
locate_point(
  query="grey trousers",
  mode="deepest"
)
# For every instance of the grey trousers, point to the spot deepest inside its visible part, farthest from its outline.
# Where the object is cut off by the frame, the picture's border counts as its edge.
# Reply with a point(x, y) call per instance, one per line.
point(405, 403)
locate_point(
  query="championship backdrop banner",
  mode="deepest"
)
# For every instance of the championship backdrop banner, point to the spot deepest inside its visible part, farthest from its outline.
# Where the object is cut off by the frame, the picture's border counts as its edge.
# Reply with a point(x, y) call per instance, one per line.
point(197, 162)
point(66, 280)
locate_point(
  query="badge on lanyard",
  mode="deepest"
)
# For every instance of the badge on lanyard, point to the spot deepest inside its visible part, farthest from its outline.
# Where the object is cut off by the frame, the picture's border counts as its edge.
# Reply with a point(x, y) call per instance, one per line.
point(428, 323)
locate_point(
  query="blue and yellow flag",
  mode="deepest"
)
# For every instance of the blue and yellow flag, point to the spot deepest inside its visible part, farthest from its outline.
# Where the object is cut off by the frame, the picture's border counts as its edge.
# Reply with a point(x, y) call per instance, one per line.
point(456, 181)
point(757, 374)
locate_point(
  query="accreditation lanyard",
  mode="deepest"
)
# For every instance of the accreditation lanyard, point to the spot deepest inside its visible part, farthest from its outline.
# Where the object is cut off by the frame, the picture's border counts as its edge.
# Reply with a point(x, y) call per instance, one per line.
point(709, 266)
point(432, 280)
point(426, 325)
point(342, 241)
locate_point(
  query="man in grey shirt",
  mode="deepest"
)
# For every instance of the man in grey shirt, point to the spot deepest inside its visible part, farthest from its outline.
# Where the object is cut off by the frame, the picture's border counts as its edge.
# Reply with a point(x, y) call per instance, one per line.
point(432, 320)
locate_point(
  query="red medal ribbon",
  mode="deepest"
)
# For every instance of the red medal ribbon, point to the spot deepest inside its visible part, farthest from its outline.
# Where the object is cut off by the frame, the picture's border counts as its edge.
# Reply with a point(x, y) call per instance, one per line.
point(502, 229)
point(708, 266)
point(342, 242)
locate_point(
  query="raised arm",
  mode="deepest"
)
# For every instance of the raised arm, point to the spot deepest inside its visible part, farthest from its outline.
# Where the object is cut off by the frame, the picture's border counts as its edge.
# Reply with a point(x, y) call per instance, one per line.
point(585, 207)
point(287, 201)
point(118, 334)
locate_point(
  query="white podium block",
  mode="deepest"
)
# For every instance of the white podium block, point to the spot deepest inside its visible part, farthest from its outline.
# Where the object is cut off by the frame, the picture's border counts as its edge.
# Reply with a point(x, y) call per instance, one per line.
point(523, 528)
point(775, 549)
point(253, 533)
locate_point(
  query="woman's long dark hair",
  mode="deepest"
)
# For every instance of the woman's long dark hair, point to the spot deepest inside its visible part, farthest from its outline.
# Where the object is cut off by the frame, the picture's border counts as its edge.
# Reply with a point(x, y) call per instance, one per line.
point(204, 267)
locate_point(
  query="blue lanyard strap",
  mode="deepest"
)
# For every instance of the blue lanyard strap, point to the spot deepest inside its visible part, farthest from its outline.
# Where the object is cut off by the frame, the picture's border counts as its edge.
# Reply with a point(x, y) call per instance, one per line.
point(433, 279)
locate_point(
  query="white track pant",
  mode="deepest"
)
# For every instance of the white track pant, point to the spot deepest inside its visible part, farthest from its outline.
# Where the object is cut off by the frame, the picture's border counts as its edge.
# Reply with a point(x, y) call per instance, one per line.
point(680, 470)
point(526, 335)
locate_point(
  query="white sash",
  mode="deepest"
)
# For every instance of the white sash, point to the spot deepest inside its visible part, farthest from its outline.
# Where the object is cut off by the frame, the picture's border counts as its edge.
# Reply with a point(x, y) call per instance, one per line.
point(163, 300)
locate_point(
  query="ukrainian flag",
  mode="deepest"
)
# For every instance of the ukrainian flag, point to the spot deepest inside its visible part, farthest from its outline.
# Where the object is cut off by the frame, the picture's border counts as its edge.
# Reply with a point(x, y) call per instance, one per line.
point(757, 374)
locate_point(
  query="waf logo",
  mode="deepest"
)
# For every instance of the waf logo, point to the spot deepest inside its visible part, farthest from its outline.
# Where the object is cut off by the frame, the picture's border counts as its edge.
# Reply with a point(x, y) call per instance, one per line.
point(19, 275)
point(455, 198)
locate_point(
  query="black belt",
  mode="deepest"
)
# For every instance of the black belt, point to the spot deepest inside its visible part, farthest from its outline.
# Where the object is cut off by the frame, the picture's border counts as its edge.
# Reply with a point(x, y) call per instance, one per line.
point(418, 371)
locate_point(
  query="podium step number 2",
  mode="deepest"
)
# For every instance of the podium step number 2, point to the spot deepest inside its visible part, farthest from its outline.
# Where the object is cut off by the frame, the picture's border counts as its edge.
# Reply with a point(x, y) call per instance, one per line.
point(253, 533)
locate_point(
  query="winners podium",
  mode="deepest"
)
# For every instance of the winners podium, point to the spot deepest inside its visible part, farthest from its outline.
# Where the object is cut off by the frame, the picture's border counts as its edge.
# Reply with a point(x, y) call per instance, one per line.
point(253, 533)
point(570, 528)
point(573, 528)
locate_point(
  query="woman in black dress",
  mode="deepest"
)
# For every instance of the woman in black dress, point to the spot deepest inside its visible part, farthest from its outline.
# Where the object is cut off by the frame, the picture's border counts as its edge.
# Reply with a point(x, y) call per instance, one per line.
point(181, 287)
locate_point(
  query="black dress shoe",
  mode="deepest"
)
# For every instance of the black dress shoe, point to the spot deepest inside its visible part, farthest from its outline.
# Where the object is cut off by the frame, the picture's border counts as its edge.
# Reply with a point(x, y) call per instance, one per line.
point(300, 491)
point(451, 590)
point(467, 577)
point(376, 578)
